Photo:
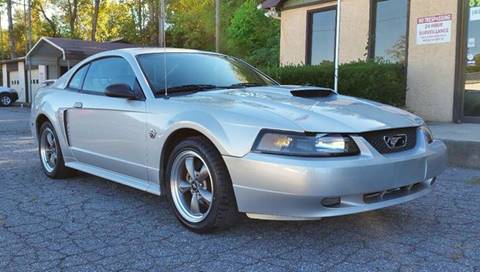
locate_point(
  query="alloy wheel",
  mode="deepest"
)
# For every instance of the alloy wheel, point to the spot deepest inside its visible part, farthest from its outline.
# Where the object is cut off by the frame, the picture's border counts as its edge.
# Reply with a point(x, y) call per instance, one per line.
point(5, 100)
point(48, 150)
point(191, 186)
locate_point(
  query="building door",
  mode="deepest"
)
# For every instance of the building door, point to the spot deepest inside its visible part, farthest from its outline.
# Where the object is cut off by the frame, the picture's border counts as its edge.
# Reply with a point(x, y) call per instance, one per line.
point(471, 99)
point(16, 84)
point(34, 81)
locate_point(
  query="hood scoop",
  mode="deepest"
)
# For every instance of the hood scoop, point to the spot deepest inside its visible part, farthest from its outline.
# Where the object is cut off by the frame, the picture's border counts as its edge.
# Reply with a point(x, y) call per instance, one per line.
point(312, 92)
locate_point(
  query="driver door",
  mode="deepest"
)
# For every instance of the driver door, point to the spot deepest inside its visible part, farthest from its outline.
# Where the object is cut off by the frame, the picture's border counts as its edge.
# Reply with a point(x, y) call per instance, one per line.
point(109, 132)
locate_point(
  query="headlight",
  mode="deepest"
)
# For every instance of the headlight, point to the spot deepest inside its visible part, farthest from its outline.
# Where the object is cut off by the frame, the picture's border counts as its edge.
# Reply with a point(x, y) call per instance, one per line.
point(427, 133)
point(299, 144)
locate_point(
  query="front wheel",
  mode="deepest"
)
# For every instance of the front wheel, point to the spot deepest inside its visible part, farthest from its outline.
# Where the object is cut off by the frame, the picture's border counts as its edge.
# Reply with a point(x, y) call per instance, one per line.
point(199, 187)
point(50, 153)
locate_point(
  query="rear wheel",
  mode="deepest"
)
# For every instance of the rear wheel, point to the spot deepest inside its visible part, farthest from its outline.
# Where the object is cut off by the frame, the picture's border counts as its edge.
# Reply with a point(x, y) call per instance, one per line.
point(5, 100)
point(199, 187)
point(50, 153)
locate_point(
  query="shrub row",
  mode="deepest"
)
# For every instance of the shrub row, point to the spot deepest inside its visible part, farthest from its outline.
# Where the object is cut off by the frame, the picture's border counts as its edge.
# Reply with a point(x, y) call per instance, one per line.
point(382, 82)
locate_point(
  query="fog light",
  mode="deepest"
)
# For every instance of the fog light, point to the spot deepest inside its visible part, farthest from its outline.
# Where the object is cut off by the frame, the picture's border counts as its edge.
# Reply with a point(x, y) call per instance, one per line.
point(331, 201)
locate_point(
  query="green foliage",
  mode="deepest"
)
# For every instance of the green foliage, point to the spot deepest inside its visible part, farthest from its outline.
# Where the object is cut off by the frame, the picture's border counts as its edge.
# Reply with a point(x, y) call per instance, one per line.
point(253, 36)
point(382, 82)
point(192, 24)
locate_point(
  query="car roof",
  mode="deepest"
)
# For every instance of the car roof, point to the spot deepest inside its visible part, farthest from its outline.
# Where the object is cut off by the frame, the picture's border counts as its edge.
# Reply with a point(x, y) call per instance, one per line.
point(150, 50)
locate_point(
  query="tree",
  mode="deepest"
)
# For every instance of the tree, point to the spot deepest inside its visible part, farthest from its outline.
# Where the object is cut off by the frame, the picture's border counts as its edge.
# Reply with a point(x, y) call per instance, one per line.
point(95, 18)
point(253, 36)
point(50, 25)
point(192, 24)
point(11, 36)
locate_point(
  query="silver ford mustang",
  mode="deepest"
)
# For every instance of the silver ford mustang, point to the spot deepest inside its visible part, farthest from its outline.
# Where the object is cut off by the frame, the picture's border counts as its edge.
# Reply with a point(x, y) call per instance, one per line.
point(220, 138)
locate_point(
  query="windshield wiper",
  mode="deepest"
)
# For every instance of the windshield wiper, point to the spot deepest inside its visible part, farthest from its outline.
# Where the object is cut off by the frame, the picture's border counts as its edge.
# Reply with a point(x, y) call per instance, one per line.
point(203, 87)
point(246, 84)
point(190, 88)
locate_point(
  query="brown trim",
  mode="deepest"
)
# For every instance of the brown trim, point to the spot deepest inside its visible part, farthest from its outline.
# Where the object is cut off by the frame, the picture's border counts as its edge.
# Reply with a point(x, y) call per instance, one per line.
point(333, 2)
point(308, 45)
point(407, 42)
point(461, 46)
point(372, 30)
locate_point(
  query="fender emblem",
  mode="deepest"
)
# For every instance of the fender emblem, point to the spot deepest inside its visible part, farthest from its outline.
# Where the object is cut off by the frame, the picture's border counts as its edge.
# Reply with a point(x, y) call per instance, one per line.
point(152, 133)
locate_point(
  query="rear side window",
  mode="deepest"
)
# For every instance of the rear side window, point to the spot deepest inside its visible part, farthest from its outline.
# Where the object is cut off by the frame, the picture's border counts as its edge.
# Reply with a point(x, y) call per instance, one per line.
point(77, 79)
point(108, 71)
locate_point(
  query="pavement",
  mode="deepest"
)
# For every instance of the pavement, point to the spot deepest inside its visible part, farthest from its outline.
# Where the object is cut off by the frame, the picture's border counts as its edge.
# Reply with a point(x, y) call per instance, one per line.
point(87, 223)
point(463, 142)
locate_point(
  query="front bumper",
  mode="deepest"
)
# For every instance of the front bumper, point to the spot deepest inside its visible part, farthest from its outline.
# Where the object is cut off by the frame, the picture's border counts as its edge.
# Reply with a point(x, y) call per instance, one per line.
point(292, 188)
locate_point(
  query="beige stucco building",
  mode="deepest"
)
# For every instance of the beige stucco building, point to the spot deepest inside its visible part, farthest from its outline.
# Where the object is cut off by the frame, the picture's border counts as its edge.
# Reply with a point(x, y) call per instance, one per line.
point(437, 40)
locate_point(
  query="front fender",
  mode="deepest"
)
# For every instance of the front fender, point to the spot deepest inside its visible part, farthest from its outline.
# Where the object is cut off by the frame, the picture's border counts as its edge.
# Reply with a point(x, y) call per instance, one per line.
point(231, 139)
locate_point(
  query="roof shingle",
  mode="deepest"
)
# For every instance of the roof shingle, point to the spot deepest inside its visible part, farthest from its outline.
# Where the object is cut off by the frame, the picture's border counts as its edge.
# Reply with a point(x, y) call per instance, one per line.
point(81, 49)
point(271, 3)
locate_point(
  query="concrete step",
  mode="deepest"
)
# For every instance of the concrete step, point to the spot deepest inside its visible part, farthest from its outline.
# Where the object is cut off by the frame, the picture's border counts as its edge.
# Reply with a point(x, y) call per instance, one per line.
point(463, 142)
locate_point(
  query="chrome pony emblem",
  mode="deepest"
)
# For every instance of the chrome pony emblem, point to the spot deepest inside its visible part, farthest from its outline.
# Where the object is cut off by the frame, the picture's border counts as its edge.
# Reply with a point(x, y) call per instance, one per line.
point(152, 133)
point(396, 141)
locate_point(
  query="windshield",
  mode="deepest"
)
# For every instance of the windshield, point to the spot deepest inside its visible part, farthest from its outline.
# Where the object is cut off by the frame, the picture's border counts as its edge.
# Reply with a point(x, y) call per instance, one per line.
point(198, 71)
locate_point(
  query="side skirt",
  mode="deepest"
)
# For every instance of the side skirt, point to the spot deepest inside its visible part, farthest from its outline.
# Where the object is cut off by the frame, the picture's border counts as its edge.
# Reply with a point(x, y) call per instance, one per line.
point(116, 177)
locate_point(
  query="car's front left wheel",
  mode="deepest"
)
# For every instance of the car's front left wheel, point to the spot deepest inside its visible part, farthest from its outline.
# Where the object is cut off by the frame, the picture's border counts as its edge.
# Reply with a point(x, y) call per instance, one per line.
point(199, 187)
point(50, 153)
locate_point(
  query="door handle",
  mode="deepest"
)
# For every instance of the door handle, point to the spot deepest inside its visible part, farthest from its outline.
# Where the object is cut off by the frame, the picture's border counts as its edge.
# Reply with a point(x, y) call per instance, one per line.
point(78, 105)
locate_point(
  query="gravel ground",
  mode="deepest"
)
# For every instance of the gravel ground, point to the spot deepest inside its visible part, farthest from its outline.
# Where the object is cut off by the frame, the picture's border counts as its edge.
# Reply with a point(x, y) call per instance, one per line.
point(86, 223)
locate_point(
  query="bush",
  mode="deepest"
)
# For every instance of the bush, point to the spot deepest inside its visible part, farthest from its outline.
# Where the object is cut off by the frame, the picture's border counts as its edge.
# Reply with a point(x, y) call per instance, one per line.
point(382, 82)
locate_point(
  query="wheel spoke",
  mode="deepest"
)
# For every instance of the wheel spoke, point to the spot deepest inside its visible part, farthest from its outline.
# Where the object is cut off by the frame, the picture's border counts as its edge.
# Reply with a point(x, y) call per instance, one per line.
point(206, 196)
point(194, 205)
point(203, 174)
point(53, 159)
point(190, 166)
point(183, 186)
point(50, 139)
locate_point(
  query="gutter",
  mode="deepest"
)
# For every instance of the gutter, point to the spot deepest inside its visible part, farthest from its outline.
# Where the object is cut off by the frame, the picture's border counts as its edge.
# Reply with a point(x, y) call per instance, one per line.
point(271, 12)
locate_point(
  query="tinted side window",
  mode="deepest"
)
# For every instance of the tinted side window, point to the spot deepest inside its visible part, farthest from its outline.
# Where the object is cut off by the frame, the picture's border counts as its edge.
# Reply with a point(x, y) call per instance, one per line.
point(77, 79)
point(108, 71)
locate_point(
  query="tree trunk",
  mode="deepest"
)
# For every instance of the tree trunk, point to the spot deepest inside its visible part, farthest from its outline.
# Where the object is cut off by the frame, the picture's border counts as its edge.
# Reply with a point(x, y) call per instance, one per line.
point(73, 17)
point(49, 21)
point(11, 36)
point(95, 19)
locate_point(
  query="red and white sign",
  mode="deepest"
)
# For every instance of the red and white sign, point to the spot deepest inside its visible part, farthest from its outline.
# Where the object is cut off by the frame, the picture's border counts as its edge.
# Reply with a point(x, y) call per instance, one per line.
point(434, 29)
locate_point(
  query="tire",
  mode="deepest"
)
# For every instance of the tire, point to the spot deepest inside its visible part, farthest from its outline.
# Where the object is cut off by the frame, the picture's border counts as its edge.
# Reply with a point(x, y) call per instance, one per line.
point(222, 211)
point(47, 148)
point(5, 100)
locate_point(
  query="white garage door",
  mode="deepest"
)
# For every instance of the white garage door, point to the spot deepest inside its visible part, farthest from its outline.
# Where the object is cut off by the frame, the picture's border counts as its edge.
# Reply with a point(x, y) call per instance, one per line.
point(35, 82)
point(16, 84)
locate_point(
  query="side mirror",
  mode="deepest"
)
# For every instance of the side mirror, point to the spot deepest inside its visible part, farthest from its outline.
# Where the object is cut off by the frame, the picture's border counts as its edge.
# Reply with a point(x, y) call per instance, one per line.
point(121, 91)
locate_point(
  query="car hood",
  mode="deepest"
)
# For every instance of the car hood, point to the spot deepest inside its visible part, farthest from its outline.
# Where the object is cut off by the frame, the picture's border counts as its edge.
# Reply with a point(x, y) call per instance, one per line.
point(310, 109)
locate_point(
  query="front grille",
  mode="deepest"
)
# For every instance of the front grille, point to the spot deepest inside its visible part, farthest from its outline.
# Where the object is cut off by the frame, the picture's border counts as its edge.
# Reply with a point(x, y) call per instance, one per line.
point(377, 139)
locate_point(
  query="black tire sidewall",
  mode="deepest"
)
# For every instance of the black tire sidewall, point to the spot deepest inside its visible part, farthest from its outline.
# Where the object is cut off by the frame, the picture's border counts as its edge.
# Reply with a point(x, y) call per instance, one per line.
point(1, 103)
point(208, 223)
point(60, 163)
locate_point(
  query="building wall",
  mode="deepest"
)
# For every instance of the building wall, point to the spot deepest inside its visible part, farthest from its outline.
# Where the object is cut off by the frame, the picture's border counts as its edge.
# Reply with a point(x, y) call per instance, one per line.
point(431, 68)
point(5, 82)
point(353, 32)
